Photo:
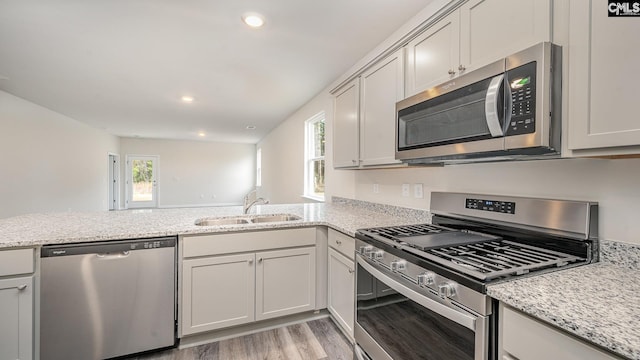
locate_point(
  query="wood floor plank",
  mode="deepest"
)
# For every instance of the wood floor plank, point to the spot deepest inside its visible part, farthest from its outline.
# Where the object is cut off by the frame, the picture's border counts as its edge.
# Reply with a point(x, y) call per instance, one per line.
point(306, 342)
point(233, 349)
point(286, 344)
point(334, 343)
point(314, 340)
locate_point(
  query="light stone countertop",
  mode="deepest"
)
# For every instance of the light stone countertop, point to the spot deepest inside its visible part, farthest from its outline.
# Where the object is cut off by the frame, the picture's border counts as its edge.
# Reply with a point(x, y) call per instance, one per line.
point(599, 303)
point(72, 227)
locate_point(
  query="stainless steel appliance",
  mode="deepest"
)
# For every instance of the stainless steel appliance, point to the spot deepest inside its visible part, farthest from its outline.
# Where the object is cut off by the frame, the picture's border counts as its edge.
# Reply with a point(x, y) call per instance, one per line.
point(107, 299)
point(421, 289)
point(509, 109)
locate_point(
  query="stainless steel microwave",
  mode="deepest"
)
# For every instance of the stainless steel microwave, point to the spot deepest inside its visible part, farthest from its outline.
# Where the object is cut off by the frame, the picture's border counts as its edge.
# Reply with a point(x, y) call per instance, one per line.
point(507, 110)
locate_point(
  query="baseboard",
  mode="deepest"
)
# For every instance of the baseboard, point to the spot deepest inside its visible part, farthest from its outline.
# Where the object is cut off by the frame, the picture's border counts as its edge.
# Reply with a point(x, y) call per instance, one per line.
point(252, 328)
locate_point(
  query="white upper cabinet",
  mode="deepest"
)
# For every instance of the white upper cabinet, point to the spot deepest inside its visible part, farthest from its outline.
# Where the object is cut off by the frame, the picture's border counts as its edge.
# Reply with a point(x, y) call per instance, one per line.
point(492, 29)
point(433, 57)
point(365, 115)
point(602, 118)
point(345, 125)
point(381, 87)
point(474, 35)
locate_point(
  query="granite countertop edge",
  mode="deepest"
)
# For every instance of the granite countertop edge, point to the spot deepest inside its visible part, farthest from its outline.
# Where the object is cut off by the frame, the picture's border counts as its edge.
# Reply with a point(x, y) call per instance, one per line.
point(597, 303)
point(33, 230)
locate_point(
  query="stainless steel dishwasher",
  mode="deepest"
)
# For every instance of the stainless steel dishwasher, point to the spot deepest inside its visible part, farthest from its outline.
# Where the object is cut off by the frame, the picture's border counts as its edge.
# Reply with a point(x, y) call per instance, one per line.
point(107, 299)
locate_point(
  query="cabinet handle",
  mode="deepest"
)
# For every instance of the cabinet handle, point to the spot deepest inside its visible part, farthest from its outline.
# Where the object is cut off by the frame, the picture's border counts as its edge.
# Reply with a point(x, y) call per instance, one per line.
point(22, 287)
point(338, 242)
point(462, 68)
point(351, 271)
point(260, 260)
point(451, 72)
point(354, 161)
point(250, 261)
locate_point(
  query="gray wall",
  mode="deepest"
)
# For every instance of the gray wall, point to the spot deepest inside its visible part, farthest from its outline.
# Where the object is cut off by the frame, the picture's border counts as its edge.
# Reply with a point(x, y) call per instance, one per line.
point(197, 173)
point(50, 162)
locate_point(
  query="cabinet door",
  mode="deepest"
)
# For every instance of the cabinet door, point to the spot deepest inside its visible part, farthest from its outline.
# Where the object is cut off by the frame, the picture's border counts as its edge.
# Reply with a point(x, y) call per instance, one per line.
point(285, 282)
point(16, 312)
point(541, 341)
point(380, 88)
point(433, 57)
point(217, 292)
point(492, 29)
point(602, 78)
point(341, 301)
point(345, 126)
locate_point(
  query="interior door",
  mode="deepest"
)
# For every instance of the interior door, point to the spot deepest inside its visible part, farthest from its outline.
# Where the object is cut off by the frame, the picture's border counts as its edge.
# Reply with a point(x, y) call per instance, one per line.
point(142, 184)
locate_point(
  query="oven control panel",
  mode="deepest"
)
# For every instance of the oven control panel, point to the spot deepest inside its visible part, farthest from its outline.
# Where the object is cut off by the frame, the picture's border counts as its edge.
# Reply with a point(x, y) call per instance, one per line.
point(439, 285)
point(505, 207)
point(420, 279)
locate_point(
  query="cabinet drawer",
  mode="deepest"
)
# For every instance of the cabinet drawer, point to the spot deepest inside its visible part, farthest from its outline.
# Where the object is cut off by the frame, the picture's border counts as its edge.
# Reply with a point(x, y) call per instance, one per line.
point(15, 262)
point(342, 243)
point(542, 341)
point(217, 244)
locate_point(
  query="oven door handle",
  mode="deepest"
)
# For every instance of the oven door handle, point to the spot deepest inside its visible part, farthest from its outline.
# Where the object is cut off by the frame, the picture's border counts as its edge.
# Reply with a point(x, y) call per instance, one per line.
point(459, 317)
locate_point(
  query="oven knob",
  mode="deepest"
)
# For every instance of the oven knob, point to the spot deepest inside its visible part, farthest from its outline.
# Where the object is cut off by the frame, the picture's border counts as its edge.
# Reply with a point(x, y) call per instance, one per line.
point(446, 290)
point(366, 250)
point(426, 279)
point(398, 265)
point(378, 255)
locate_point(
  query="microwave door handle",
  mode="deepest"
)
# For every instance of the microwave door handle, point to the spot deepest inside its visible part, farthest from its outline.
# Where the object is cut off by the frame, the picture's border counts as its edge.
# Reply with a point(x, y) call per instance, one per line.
point(491, 106)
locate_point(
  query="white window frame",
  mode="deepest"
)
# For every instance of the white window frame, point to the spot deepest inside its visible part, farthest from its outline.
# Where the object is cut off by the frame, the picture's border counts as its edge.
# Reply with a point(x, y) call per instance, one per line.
point(259, 167)
point(309, 158)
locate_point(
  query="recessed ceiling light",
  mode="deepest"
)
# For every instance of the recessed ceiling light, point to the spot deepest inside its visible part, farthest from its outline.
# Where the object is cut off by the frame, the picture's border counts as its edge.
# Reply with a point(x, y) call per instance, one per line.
point(253, 20)
point(201, 134)
point(187, 99)
point(251, 127)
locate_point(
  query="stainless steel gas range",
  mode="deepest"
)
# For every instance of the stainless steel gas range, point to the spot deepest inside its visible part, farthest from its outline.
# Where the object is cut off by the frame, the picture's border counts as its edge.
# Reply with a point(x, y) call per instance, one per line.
point(421, 289)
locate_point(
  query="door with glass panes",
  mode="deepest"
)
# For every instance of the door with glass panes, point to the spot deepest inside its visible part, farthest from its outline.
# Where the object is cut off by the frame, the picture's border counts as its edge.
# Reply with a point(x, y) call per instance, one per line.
point(142, 185)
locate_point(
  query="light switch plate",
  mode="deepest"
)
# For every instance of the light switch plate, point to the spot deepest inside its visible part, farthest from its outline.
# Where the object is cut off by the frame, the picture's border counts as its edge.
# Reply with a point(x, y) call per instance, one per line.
point(417, 191)
point(405, 190)
point(376, 188)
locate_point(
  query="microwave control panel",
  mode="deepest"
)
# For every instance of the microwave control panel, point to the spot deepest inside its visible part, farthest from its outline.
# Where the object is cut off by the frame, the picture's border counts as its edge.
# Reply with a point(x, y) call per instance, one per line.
point(522, 81)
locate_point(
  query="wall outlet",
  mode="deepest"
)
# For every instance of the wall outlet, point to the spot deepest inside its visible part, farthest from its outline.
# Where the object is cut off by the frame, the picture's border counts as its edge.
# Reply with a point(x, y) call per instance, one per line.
point(376, 188)
point(417, 191)
point(405, 190)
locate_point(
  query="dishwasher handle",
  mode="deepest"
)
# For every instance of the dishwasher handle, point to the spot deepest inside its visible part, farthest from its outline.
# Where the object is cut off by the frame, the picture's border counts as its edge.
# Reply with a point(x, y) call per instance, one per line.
point(120, 255)
point(105, 248)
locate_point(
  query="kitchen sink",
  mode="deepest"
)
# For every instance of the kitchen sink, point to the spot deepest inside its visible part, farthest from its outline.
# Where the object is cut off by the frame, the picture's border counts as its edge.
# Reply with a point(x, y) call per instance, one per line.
point(221, 221)
point(274, 218)
point(249, 219)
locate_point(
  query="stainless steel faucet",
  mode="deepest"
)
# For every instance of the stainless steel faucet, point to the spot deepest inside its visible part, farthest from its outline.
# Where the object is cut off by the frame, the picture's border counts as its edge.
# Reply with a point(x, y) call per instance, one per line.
point(246, 205)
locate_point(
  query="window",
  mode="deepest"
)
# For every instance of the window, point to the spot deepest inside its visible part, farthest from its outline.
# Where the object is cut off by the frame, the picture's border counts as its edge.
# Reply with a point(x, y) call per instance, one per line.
point(314, 158)
point(259, 167)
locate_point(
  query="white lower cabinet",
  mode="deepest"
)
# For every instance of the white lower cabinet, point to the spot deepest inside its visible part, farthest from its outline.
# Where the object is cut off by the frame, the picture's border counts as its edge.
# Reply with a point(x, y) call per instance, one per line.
point(524, 338)
point(218, 292)
point(341, 302)
point(238, 278)
point(16, 312)
point(285, 282)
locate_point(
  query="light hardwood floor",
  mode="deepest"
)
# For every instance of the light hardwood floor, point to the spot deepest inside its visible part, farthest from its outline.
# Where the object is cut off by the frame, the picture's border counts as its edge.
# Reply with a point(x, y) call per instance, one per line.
point(313, 340)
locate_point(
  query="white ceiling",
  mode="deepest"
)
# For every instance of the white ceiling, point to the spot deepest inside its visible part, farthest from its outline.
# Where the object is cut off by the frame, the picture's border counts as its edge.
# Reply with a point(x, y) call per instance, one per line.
point(123, 65)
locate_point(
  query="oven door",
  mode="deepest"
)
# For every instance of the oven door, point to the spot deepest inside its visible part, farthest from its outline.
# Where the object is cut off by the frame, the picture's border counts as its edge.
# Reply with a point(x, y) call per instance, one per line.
point(397, 320)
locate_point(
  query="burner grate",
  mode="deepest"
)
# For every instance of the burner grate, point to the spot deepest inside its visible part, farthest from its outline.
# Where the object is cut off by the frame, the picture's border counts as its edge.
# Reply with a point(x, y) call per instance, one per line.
point(494, 259)
point(395, 233)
